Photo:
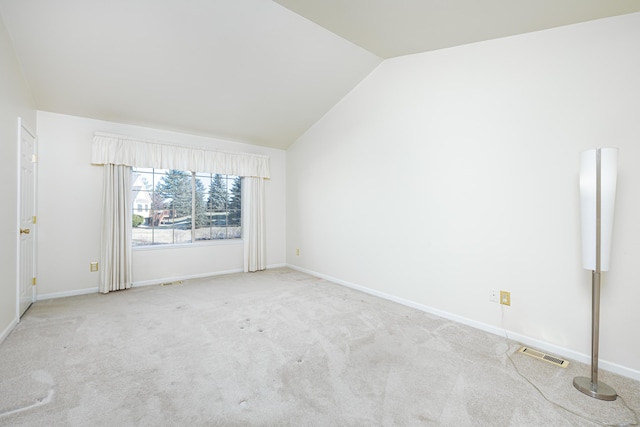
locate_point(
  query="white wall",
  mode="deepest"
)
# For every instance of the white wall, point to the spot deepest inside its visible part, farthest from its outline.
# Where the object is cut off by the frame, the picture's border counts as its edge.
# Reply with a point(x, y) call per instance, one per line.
point(448, 173)
point(15, 101)
point(70, 199)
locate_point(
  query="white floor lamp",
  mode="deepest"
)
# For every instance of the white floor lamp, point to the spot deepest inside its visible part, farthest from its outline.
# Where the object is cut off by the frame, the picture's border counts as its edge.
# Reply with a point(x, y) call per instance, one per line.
point(598, 171)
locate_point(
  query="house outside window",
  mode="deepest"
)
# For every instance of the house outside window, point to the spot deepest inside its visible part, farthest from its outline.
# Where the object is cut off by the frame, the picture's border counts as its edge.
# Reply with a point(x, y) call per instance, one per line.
point(184, 207)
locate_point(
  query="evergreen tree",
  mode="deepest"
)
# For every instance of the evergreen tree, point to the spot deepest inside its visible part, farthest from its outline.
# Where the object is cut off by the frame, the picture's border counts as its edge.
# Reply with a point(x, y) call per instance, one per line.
point(235, 202)
point(175, 188)
point(201, 207)
point(218, 197)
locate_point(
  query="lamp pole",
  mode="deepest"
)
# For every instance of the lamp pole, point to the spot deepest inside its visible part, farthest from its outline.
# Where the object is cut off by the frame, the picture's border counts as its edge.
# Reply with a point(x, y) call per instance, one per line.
point(591, 386)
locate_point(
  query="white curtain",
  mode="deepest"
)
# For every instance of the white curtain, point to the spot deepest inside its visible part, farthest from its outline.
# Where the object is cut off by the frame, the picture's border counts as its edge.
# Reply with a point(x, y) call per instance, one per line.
point(253, 224)
point(121, 150)
point(111, 150)
point(116, 229)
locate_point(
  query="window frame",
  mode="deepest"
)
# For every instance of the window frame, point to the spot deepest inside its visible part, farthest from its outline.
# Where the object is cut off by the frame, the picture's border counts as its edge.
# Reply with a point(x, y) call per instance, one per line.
point(194, 241)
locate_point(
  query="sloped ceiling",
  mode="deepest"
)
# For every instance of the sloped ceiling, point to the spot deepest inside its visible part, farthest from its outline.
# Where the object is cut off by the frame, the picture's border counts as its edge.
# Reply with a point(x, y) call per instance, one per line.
point(245, 70)
point(390, 28)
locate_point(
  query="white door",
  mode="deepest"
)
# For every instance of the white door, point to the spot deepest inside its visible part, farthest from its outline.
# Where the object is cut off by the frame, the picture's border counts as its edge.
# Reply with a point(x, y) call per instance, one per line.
point(27, 220)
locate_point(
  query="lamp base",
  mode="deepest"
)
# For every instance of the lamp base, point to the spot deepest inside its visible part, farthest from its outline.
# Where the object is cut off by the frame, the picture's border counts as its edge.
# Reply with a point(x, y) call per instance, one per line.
point(599, 391)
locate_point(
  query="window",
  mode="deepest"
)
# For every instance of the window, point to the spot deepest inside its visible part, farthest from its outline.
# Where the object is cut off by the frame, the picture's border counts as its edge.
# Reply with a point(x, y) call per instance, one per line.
point(172, 199)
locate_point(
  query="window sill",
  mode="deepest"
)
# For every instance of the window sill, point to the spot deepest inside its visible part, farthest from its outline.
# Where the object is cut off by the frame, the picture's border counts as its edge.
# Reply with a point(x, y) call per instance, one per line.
point(221, 242)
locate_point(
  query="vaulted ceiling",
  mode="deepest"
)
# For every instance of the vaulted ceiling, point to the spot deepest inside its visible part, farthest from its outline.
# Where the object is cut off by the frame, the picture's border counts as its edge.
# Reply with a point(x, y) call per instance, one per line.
point(255, 71)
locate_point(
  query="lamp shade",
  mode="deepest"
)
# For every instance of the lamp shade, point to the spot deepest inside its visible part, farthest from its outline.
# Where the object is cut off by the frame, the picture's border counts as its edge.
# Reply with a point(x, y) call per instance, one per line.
point(608, 166)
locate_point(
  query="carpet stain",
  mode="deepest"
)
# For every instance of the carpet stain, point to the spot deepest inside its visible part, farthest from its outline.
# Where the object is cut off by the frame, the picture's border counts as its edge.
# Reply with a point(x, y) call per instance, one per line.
point(40, 401)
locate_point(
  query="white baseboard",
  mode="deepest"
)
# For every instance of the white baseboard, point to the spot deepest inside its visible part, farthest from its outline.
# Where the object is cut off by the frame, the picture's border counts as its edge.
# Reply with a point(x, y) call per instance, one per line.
point(269, 267)
point(8, 330)
point(195, 276)
point(523, 339)
point(53, 295)
point(180, 278)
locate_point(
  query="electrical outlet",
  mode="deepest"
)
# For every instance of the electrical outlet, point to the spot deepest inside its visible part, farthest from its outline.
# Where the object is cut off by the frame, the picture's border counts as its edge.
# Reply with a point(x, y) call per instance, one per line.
point(493, 295)
point(93, 266)
point(297, 252)
point(505, 298)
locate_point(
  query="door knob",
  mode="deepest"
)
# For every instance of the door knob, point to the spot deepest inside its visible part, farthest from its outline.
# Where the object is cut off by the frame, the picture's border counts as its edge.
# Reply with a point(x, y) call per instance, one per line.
point(25, 231)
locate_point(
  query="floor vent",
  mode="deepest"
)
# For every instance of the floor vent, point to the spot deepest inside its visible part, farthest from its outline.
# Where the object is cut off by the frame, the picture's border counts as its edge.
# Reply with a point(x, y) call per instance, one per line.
point(543, 356)
point(179, 282)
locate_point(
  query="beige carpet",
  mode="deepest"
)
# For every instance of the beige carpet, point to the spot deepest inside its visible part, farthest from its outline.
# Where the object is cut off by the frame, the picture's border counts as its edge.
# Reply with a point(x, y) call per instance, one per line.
point(276, 348)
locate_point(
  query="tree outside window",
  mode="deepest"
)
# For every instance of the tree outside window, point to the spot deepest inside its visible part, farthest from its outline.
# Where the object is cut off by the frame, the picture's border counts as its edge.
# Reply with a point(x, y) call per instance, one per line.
point(177, 197)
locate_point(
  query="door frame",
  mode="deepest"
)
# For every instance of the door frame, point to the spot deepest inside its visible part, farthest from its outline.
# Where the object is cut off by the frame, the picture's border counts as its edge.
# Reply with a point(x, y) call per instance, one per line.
point(24, 127)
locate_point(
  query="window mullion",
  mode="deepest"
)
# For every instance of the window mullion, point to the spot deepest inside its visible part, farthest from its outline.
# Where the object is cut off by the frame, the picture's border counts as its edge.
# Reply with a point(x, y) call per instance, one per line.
point(158, 192)
point(193, 207)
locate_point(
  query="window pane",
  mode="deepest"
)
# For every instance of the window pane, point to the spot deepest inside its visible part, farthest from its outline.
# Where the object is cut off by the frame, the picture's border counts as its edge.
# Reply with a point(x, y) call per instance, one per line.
point(164, 202)
point(215, 209)
point(142, 188)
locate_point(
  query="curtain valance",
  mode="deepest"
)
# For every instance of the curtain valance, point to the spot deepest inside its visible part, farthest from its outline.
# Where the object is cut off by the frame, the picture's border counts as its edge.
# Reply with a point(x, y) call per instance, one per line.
point(121, 150)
